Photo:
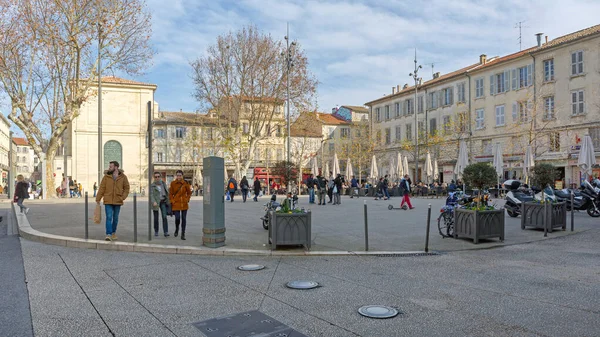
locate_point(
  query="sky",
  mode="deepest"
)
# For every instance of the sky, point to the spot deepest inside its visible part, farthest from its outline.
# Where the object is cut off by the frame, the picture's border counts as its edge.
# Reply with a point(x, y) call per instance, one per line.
point(357, 49)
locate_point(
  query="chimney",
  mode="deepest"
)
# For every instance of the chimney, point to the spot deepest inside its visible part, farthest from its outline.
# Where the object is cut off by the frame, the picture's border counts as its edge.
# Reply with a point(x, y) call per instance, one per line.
point(180, 110)
point(546, 38)
point(482, 58)
point(436, 75)
point(393, 90)
point(405, 86)
point(398, 88)
point(539, 39)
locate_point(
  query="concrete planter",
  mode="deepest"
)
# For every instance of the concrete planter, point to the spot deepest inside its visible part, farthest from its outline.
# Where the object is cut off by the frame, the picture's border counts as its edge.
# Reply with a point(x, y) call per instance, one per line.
point(532, 215)
point(290, 229)
point(479, 224)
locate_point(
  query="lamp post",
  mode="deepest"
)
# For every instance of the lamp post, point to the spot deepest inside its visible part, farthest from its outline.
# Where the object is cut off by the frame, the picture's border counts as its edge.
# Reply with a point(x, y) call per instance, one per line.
point(100, 163)
point(415, 76)
point(289, 65)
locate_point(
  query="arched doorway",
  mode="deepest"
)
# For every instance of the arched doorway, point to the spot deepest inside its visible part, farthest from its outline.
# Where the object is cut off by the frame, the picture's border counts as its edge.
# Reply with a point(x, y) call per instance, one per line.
point(113, 151)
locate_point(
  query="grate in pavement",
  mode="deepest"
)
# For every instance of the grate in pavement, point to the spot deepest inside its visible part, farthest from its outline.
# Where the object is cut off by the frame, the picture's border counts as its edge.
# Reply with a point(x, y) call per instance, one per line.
point(406, 255)
point(251, 323)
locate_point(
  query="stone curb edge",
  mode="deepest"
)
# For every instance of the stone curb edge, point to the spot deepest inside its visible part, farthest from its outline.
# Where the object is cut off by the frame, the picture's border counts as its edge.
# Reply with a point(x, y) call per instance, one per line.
point(31, 234)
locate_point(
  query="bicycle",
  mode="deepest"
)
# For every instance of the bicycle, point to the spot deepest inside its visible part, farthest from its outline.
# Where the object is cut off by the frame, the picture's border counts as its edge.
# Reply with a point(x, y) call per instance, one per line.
point(446, 218)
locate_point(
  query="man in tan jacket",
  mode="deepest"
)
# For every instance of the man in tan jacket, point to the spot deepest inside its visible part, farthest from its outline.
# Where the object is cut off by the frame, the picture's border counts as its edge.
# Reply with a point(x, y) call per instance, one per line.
point(114, 188)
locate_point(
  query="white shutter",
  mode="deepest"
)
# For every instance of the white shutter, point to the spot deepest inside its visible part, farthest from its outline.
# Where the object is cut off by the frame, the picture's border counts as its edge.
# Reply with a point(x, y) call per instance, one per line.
point(514, 78)
point(507, 81)
point(429, 98)
point(529, 74)
point(440, 98)
point(492, 85)
point(451, 95)
point(529, 111)
point(514, 111)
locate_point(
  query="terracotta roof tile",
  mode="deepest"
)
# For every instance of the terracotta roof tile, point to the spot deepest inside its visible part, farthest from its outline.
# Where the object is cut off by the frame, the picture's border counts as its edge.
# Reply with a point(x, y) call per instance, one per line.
point(499, 60)
point(118, 80)
point(572, 37)
point(329, 119)
point(20, 141)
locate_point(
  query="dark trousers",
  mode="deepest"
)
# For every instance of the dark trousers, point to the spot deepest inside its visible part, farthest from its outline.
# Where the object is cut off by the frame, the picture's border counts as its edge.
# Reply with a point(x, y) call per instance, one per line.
point(180, 216)
point(163, 213)
point(330, 193)
point(244, 194)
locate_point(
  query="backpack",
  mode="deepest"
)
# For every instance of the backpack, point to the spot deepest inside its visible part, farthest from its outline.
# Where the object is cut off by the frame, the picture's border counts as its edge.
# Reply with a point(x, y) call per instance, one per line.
point(231, 185)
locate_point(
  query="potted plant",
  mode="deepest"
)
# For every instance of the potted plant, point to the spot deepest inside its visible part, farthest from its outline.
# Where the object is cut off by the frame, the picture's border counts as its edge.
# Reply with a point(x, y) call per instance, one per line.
point(478, 220)
point(290, 227)
point(539, 213)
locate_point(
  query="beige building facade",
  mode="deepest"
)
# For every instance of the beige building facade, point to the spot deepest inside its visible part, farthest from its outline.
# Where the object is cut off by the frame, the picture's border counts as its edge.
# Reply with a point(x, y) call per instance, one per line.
point(4, 147)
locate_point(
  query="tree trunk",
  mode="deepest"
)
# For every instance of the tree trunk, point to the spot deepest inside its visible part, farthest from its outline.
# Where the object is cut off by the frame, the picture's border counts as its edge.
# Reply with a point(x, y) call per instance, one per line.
point(50, 187)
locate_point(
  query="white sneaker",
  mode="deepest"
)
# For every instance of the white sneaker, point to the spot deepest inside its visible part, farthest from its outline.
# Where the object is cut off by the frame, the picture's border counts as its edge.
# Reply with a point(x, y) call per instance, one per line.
point(26, 210)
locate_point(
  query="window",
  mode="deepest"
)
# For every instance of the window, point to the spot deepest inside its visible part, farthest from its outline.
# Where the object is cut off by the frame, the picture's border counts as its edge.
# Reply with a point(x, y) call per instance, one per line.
point(523, 111)
point(208, 133)
point(433, 100)
point(577, 101)
point(269, 151)
point(178, 154)
point(377, 115)
point(554, 142)
point(345, 132)
point(432, 126)
point(387, 112)
point(180, 132)
point(499, 83)
point(409, 131)
point(159, 133)
point(331, 147)
point(462, 121)
point(548, 70)
point(460, 90)
point(159, 157)
point(420, 103)
point(500, 115)
point(195, 154)
point(410, 108)
point(398, 133)
point(595, 135)
point(245, 128)
point(388, 137)
point(525, 74)
point(257, 154)
point(479, 119)
point(331, 131)
point(378, 136)
point(447, 125)
point(448, 96)
point(577, 63)
point(280, 153)
point(549, 107)
point(479, 87)
point(486, 146)
point(422, 130)
point(397, 109)
point(278, 131)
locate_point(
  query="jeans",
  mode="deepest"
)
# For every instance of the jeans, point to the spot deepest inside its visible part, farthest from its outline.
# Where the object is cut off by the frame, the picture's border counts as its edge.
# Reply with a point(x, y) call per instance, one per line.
point(163, 212)
point(112, 218)
point(337, 199)
point(180, 216)
point(322, 196)
point(20, 203)
point(244, 194)
point(94, 193)
point(311, 195)
point(386, 194)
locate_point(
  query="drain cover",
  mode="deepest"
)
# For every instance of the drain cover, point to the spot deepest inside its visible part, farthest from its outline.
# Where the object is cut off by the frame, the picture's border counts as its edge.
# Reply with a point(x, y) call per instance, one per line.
point(251, 323)
point(251, 267)
point(377, 311)
point(302, 284)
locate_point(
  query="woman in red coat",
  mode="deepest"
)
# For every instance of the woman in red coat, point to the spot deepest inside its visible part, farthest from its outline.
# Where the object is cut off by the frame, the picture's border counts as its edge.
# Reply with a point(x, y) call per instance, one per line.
point(180, 193)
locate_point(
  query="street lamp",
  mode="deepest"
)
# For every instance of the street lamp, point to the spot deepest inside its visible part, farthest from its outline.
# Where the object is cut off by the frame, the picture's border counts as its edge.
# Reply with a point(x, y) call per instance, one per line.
point(415, 76)
point(289, 65)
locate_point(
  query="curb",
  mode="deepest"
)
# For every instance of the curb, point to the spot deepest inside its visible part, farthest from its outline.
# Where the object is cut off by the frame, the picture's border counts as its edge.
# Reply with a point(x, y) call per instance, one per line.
point(31, 234)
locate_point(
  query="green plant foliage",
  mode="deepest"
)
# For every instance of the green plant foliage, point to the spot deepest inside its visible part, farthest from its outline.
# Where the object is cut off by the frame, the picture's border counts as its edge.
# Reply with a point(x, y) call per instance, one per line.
point(287, 170)
point(480, 175)
point(544, 174)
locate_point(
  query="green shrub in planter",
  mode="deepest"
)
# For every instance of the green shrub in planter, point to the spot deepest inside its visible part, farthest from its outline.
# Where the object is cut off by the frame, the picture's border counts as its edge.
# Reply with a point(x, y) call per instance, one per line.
point(544, 174)
point(480, 175)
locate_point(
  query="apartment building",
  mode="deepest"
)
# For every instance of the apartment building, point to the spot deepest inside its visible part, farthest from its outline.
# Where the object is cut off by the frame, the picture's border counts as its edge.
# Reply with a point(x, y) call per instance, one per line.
point(4, 147)
point(545, 97)
point(26, 159)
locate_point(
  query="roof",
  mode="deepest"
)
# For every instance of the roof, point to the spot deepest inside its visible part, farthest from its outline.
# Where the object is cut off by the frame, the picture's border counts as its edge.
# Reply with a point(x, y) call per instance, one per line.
point(572, 37)
point(356, 108)
point(180, 117)
point(119, 80)
point(498, 60)
point(20, 141)
point(305, 126)
point(329, 119)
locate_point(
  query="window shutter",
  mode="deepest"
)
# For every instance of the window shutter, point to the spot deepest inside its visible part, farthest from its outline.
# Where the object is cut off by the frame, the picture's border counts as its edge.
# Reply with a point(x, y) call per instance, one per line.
point(451, 95)
point(492, 85)
point(515, 107)
point(429, 98)
point(507, 81)
point(440, 98)
point(529, 74)
point(514, 79)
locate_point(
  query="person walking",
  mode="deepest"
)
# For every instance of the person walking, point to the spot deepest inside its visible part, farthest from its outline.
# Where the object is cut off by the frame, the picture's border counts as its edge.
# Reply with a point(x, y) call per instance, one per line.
point(337, 189)
point(321, 189)
point(179, 196)
point(95, 188)
point(354, 187)
point(310, 185)
point(232, 187)
point(405, 190)
point(114, 189)
point(256, 188)
point(21, 193)
point(159, 197)
point(330, 185)
point(244, 187)
point(384, 187)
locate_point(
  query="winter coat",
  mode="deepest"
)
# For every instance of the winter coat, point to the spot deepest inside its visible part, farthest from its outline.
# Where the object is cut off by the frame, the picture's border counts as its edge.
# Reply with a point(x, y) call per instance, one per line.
point(180, 193)
point(232, 190)
point(155, 195)
point(244, 184)
point(256, 186)
point(114, 191)
point(21, 190)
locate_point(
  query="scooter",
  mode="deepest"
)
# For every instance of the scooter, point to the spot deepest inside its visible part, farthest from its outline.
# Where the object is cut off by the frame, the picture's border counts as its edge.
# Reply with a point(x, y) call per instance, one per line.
point(592, 192)
point(517, 194)
point(272, 205)
point(579, 202)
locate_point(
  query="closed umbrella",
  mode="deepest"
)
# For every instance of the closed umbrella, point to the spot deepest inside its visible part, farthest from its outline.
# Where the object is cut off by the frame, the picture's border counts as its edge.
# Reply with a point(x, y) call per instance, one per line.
point(436, 171)
point(199, 177)
point(336, 165)
point(315, 168)
point(391, 170)
point(428, 166)
point(226, 174)
point(399, 167)
point(326, 174)
point(349, 170)
point(405, 165)
point(498, 162)
point(586, 158)
point(462, 161)
point(528, 163)
point(374, 171)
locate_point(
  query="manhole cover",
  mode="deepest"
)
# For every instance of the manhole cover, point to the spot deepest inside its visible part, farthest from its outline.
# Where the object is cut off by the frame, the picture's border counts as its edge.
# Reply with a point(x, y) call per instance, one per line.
point(251, 267)
point(377, 311)
point(251, 323)
point(302, 284)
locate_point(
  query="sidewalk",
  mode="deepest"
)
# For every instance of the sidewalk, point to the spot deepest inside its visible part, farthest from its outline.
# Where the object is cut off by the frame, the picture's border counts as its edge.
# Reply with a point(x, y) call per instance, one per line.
point(335, 229)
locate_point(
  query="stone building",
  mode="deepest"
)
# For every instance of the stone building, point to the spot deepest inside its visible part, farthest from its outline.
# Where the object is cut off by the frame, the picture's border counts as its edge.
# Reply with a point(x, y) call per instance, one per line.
point(4, 147)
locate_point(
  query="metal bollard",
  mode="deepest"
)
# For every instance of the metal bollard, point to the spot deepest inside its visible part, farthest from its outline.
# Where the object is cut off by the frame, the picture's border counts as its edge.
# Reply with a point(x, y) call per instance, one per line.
point(428, 225)
point(134, 217)
point(86, 216)
point(366, 228)
point(572, 212)
point(545, 217)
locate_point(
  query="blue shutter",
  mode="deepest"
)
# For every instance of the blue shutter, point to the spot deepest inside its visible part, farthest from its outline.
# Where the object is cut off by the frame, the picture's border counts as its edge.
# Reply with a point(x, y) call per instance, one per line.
point(506, 80)
point(529, 74)
point(514, 111)
point(514, 78)
point(492, 85)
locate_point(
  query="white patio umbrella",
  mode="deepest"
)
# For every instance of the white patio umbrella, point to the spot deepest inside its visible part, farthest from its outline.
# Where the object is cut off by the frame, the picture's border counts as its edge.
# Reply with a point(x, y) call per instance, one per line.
point(226, 176)
point(326, 174)
point(349, 170)
point(405, 165)
point(392, 170)
point(315, 168)
point(586, 159)
point(336, 165)
point(498, 161)
point(199, 178)
point(462, 161)
point(436, 171)
point(399, 167)
point(528, 163)
point(374, 171)
point(428, 166)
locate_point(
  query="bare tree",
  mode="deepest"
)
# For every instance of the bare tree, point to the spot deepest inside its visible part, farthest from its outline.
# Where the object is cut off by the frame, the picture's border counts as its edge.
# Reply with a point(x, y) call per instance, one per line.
point(243, 78)
point(49, 60)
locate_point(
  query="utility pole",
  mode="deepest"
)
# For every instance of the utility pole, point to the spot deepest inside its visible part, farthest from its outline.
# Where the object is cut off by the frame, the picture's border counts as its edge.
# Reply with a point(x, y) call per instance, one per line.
point(289, 65)
point(100, 161)
point(415, 76)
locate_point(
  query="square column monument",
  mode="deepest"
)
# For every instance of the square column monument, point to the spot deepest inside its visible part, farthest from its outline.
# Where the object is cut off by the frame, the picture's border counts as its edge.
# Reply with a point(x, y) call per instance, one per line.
point(213, 231)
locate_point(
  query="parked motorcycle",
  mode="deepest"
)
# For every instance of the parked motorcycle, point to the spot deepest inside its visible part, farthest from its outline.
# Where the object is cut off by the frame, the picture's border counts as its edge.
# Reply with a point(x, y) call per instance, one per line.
point(517, 194)
point(272, 205)
point(592, 192)
point(580, 203)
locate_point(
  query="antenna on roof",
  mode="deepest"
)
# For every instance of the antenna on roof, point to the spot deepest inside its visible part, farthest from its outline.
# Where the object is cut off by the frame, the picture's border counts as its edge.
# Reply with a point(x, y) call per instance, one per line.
point(520, 26)
point(432, 64)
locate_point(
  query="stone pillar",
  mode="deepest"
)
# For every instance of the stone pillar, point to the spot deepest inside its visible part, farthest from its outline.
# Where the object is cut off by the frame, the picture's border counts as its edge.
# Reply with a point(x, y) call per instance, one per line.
point(213, 231)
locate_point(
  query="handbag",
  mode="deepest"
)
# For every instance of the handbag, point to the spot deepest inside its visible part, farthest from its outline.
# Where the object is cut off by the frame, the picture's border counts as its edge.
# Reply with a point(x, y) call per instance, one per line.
point(98, 214)
point(335, 190)
point(227, 196)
